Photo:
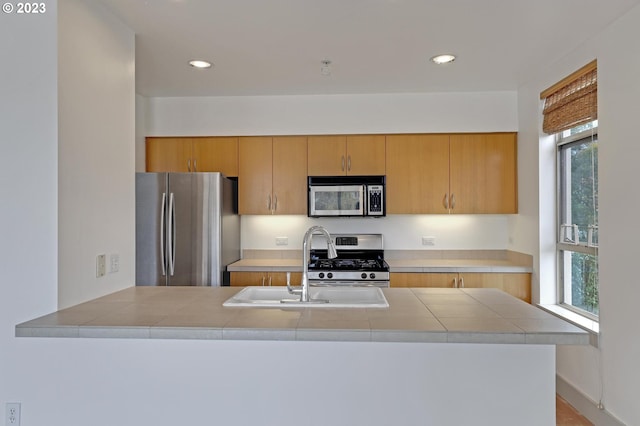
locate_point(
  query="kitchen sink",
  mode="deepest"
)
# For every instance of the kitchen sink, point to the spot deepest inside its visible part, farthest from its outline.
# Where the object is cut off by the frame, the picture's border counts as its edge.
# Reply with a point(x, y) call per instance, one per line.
point(321, 297)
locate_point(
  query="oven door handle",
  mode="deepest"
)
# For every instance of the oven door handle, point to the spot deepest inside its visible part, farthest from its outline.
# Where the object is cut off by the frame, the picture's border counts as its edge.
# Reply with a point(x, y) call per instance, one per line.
point(349, 283)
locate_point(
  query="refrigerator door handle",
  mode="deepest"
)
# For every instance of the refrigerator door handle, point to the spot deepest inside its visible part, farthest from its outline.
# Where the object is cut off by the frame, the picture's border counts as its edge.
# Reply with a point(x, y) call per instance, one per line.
point(171, 233)
point(163, 259)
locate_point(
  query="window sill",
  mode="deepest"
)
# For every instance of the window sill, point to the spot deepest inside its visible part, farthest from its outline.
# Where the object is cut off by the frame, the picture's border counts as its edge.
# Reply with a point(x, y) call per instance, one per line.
point(593, 327)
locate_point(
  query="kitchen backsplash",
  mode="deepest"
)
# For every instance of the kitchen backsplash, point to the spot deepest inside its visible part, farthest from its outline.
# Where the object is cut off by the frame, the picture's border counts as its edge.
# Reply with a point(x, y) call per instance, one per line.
point(401, 232)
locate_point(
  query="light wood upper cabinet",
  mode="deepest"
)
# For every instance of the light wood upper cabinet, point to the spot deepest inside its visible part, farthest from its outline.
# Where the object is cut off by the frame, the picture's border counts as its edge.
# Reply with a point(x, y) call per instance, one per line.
point(366, 155)
point(466, 173)
point(417, 173)
point(168, 154)
point(206, 154)
point(337, 155)
point(255, 175)
point(216, 154)
point(272, 175)
point(290, 175)
point(483, 173)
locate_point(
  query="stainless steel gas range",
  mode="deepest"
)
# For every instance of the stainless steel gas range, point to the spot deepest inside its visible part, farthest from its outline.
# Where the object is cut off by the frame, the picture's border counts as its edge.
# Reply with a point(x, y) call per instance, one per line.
point(360, 261)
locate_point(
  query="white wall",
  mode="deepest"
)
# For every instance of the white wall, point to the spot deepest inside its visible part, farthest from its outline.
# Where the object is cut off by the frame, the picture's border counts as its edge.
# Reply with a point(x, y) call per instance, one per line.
point(142, 107)
point(618, 91)
point(337, 114)
point(96, 104)
point(28, 185)
point(333, 114)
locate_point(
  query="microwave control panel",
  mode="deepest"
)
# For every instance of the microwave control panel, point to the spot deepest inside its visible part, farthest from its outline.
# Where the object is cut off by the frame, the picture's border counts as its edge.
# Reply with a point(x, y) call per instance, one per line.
point(375, 200)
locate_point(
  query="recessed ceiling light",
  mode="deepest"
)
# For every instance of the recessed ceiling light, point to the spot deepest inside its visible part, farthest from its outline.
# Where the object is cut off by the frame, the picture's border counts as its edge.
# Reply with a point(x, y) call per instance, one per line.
point(200, 64)
point(443, 59)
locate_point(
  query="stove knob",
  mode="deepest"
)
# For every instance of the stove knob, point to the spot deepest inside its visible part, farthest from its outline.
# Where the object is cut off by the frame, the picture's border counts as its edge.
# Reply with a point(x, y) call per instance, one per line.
point(364, 275)
point(329, 275)
point(321, 275)
point(372, 275)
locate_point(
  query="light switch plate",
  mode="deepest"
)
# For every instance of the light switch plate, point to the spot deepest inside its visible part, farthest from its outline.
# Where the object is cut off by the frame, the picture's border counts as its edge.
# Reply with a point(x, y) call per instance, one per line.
point(101, 265)
point(282, 241)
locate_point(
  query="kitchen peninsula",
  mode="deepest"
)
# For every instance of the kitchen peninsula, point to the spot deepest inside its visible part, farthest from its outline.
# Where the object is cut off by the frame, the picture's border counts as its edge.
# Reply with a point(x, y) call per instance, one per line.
point(435, 356)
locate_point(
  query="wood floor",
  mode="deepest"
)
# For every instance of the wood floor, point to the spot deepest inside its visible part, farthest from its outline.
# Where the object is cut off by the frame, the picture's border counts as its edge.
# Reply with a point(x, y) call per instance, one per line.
point(566, 415)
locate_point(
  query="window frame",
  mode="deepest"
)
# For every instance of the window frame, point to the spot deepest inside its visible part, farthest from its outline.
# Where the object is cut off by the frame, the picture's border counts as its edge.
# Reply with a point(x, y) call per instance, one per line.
point(563, 142)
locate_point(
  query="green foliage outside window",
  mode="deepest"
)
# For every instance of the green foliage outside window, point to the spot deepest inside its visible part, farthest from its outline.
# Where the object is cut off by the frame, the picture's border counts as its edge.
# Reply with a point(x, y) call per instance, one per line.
point(583, 200)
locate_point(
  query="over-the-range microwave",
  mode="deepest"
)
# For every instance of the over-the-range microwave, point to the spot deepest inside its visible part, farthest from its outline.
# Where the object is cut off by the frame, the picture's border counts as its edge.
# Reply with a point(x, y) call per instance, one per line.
point(332, 196)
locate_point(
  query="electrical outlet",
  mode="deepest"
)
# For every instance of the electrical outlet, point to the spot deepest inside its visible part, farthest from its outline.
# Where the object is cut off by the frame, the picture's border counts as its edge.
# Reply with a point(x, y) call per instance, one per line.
point(101, 265)
point(428, 241)
point(282, 241)
point(114, 263)
point(12, 417)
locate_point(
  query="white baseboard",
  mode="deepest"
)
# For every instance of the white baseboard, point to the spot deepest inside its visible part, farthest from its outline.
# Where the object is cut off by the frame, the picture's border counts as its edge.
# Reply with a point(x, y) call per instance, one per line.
point(585, 405)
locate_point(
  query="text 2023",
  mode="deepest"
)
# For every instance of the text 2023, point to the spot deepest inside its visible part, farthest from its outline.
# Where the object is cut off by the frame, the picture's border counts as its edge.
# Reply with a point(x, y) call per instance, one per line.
point(31, 8)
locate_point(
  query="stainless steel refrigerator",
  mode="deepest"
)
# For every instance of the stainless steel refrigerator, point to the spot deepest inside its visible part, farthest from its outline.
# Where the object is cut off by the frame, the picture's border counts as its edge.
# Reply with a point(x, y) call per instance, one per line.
point(187, 228)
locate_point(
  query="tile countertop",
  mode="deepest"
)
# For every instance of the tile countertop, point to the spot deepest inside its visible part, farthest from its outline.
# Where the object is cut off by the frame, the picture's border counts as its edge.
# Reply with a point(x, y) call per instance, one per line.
point(414, 315)
point(457, 265)
point(258, 265)
point(402, 261)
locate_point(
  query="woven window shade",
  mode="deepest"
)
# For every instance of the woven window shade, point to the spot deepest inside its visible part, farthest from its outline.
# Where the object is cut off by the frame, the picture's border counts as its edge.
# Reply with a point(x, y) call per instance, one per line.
point(574, 103)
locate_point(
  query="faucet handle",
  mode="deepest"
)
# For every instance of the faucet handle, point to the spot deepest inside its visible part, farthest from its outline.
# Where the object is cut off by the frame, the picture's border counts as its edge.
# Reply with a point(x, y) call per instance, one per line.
point(291, 289)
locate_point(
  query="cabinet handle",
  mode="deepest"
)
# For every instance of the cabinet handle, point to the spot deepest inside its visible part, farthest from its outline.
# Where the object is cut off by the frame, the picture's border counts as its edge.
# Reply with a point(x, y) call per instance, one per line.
point(269, 202)
point(461, 282)
point(455, 283)
point(445, 201)
point(343, 163)
point(275, 203)
point(269, 280)
point(171, 234)
point(162, 250)
point(349, 163)
point(263, 281)
point(189, 164)
point(195, 165)
point(453, 201)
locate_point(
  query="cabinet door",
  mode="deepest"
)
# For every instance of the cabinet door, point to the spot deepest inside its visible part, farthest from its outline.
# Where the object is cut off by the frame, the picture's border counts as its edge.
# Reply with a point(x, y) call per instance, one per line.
point(366, 155)
point(327, 155)
point(483, 173)
point(216, 154)
point(280, 278)
point(517, 285)
point(255, 175)
point(417, 173)
point(168, 154)
point(243, 279)
point(290, 175)
point(422, 280)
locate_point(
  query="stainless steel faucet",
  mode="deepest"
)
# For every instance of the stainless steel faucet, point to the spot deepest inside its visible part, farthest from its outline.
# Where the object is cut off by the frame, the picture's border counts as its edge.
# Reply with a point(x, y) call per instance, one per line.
point(306, 249)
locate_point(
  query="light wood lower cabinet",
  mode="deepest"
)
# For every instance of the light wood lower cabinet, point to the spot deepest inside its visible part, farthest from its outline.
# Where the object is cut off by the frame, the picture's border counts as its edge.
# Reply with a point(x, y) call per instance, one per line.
point(517, 285)
point(243, 279)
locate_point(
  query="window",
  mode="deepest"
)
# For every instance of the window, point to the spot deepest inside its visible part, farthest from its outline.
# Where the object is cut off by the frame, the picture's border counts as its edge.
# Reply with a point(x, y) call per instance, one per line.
point(571, 113)
point(577, 244)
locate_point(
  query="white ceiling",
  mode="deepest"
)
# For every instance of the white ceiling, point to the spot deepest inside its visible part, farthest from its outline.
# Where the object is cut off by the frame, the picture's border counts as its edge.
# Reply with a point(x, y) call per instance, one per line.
point(275, 47)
